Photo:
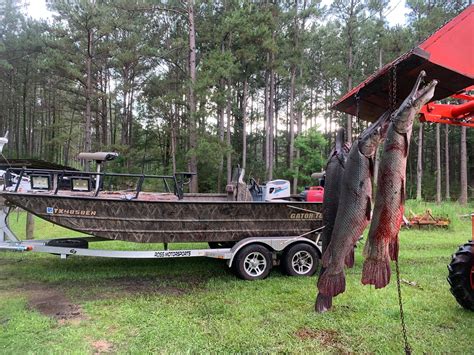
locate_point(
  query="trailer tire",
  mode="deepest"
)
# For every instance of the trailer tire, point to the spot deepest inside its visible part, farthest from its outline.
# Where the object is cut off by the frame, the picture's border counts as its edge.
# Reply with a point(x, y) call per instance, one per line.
point(252, 262)
point(461, 277)
point(300, 259)
point(76, 243)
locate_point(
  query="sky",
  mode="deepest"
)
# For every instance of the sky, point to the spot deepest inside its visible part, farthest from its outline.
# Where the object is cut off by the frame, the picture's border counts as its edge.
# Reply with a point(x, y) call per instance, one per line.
point(395, 12)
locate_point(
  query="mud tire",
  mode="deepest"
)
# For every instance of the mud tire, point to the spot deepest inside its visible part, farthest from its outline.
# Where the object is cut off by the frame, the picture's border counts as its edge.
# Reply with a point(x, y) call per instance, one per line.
point(460, 273)
point(242, 263)
point(296, 253)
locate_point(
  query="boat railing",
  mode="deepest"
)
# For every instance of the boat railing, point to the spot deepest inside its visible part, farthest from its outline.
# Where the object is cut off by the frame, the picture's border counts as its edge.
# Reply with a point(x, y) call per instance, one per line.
point(55, 180)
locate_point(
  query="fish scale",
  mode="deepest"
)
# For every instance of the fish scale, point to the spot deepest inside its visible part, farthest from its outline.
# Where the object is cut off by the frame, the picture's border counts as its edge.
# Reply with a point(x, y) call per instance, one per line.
point(332, 188)
point(353, 213)
point(382, 242)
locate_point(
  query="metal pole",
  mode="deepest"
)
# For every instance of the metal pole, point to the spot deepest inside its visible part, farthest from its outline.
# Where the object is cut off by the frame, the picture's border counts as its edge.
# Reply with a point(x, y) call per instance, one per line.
point(97, 179)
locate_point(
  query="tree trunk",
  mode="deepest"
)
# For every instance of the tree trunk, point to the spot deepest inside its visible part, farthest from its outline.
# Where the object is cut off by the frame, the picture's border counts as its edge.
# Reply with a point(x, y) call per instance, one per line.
point(228, 110)
point(446, 162)
point(192, 99)
point(69, 137)
point(291, 119)
point(266, 93)
point(419, 165)
point(124, 135)
point(438, 165)
point(244, 123)
point(271, 105)
point(174, 115)
point(104, 109)
point(463, 162)
point(88, 113)
point(349, 83)
point(30, 226)
point(220, 118)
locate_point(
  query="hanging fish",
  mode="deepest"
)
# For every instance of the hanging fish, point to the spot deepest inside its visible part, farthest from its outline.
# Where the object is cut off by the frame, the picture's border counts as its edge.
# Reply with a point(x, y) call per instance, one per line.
point(382, 242)
point(332, 188)
point(354, 210)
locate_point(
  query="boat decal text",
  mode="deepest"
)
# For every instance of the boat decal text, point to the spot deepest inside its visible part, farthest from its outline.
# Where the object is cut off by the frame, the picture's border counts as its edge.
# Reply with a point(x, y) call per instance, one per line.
point(304, 214)
point(71, 212)
point(315, 215)
point(172, 254)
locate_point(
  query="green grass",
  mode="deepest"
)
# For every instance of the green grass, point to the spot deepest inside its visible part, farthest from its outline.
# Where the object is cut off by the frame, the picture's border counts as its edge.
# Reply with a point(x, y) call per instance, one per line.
point(197, 305)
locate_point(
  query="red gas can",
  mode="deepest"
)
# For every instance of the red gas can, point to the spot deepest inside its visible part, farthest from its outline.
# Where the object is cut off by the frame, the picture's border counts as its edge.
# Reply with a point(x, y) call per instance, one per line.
point(315, 194)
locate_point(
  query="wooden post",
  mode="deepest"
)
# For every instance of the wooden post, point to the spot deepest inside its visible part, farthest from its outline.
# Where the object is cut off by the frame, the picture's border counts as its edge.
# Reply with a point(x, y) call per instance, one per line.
point(30, 226)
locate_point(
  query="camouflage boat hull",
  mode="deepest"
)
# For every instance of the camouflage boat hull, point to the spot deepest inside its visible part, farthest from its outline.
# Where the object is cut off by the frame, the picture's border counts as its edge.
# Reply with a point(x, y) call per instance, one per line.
point(172, 221)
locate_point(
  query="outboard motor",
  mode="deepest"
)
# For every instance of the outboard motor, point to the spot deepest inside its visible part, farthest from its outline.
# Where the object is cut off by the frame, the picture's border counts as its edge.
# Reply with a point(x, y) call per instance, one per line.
point(276, 189)
point(3, 141)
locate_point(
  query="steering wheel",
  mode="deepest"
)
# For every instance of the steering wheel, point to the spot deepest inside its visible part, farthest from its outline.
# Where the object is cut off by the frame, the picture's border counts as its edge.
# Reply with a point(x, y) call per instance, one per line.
point(255, 186)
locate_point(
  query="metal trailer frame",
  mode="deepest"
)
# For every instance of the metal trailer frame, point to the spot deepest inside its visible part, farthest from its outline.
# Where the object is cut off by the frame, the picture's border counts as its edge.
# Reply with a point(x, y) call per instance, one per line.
point(10, 242)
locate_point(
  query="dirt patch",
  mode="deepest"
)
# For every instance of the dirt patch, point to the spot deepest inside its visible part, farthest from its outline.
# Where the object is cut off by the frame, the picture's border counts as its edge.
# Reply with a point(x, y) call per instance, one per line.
point(102, 346)
point(130, 285)
point(326, 337)
point(53, 303)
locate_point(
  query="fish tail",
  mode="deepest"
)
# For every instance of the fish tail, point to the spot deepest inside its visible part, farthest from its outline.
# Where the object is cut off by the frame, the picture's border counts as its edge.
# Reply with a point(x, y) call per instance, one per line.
point(323, 303)
point(393, 248)
point(349, 260)
point(327, 256)
point(376, 272)
point(332, 284)
point(367, 248)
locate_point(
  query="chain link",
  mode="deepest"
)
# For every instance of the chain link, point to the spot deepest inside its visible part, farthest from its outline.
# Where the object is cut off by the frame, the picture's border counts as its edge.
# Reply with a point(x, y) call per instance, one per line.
point(357, 98)
point(393, 89)
point(402, 315)
point(392, 104)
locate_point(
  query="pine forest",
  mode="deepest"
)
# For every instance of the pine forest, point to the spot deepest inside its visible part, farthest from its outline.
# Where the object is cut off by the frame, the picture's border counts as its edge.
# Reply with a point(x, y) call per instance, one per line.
point(204, 86)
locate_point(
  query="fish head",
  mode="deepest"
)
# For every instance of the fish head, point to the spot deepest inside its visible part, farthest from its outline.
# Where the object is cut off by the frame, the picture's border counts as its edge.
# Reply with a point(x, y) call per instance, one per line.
point(424, 95)
point(403, 117)
point(370, 139)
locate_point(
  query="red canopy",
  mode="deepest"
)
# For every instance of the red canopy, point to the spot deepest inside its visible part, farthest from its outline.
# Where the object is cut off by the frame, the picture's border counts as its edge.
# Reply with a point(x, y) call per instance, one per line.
point(447, 55)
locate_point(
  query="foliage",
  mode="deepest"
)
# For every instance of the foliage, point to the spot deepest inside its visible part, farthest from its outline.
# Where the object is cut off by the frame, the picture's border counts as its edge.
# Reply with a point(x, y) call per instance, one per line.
point(116, 73)
point(313, 159)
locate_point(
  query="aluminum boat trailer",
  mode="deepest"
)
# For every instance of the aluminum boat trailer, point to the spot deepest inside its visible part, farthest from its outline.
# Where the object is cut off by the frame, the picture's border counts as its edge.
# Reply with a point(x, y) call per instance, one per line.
point(250, 258)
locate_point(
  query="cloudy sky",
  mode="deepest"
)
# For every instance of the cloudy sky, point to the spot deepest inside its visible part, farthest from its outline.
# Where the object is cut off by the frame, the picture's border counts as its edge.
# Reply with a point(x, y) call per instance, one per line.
point(395, 12)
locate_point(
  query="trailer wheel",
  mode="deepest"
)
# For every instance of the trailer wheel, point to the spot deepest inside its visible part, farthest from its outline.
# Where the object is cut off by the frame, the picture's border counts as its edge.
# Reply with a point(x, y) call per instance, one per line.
point(300, 259)
point(76, 243)
point(253, 262)
point(461, 275)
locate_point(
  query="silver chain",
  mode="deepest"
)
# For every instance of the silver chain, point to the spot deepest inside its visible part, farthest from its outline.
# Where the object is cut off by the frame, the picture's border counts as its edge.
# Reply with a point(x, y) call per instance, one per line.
point(392, 103)
point(402, 315)
point(393, 89)
point(357, 98)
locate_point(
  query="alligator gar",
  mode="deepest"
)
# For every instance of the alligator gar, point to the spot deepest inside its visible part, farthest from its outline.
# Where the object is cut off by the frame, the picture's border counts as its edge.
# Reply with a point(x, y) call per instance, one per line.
point(355, 207)
point(382, 242)
point(332, 188)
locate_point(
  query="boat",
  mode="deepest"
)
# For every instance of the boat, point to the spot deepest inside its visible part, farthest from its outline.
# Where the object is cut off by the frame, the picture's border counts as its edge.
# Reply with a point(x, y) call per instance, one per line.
point(89, 202)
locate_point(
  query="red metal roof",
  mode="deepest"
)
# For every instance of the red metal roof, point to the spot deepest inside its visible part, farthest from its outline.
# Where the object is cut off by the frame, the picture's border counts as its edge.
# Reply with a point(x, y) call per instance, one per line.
point(447, 55)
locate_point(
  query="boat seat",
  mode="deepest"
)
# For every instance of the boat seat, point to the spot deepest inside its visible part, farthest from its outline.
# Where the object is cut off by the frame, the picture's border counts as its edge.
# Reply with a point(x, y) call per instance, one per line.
point(142, 196)
point(155, 196)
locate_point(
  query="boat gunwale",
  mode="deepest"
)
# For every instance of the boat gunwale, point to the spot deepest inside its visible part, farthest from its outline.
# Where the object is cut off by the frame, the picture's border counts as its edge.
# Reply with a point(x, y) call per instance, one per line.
point(98, 198)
